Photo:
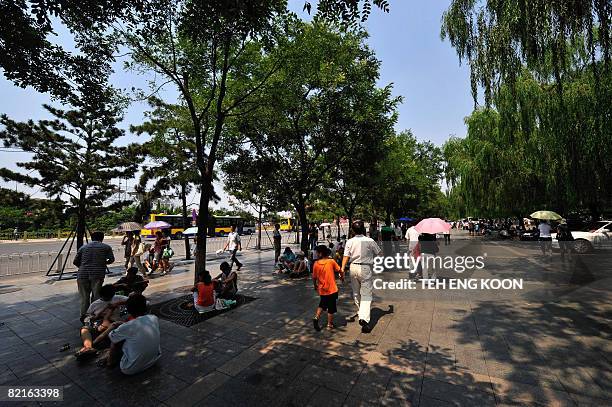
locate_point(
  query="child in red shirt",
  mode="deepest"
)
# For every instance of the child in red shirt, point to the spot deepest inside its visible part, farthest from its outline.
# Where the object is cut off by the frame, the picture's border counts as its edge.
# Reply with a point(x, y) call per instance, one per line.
point(204, 293)
point(324, 279)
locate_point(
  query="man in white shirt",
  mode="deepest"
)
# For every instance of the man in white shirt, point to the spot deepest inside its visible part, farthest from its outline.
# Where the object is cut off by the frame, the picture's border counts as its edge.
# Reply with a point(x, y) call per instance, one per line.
point(233, 244)
point(412, 235)
point(545, 238)
point(136, 342)
point(360, 252)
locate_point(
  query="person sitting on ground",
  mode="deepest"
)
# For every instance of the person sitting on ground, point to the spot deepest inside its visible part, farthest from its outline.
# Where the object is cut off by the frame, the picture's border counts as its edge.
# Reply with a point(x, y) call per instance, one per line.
point(226, 283)
point(100, 316)
point(287, 259)
point(300, 268)
point(131, 283)
point(204, 293)
point(135, 344)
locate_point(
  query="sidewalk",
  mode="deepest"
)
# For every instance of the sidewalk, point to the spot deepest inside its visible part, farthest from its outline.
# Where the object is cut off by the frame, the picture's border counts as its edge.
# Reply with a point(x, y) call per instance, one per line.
point(433, 352)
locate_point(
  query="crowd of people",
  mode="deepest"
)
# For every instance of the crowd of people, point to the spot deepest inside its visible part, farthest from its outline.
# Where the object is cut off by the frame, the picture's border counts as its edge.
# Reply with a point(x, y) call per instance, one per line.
point(115, 317)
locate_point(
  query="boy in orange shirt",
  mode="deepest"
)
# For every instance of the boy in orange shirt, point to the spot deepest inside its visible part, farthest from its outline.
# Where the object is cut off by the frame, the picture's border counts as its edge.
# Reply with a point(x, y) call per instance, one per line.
point(324, 279)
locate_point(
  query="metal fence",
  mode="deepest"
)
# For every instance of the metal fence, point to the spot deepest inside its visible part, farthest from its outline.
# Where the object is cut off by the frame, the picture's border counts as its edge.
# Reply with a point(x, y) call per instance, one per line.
point(39, 262)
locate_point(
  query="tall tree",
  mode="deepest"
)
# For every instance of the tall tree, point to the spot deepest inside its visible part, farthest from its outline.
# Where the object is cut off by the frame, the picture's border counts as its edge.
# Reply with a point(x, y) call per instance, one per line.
point(498, 38)
point(74, 155)
point(318, 111)
point(214, 53)
point(172, 151)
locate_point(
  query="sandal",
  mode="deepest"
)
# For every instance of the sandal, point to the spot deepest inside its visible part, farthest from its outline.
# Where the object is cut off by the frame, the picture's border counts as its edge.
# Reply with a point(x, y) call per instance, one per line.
point(85, 354)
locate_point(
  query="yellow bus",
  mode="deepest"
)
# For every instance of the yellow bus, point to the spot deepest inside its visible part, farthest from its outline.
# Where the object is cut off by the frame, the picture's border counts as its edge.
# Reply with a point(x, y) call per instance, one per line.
point(217, 226)
point(175, 231)
point(288, 224)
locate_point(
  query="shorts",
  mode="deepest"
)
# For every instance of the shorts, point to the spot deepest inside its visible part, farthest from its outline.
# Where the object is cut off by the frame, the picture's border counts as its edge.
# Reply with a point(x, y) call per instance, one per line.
point(328, 303)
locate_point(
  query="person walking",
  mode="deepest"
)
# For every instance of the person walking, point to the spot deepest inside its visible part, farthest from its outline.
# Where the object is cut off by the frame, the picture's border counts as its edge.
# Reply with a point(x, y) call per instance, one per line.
point(359, 253)
point(545, 238)
point(565, 238)
point(91, 260)
point(137, 250)
point(126, 242)
point(277, 242)
point(313, 236)
point(233, 244)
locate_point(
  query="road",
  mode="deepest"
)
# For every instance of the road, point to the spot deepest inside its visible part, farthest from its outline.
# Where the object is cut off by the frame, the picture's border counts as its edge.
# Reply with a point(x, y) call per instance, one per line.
point(38, 246)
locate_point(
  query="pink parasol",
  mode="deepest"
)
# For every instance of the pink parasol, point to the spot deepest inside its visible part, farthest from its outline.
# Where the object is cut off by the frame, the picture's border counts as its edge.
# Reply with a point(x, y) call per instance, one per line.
point(433, 226)
point(158, 224)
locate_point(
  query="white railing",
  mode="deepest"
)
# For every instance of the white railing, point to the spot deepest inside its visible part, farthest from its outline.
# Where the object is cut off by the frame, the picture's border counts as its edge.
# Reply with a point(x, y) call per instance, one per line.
point(39, 262)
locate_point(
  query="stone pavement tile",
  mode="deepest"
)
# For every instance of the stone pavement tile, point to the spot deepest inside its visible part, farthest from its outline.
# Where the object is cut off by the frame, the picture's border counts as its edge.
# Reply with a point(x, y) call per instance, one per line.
point(577, 380)
point(29, 364)
point(189, 367)
point(457, 394)
point(226, 346)
point(403, 389)
point(371, 384)
point(241, 336)
point(155, 382)
point(324, 396)
point(297, 394)
point(425, 401)
point(7, 376)
point(239, 393)
point(514, 392)
point(198, 390)
point(407, 359)
point(328, 378)
point(240, 362)
point(585, 401)
point(516, 372)
point(350, 366)
point(211, 401)
point(354, 401)
point(471, 360)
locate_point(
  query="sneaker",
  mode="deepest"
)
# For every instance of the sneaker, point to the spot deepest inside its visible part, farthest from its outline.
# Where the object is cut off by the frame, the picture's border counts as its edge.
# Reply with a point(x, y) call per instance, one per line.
point(362, 322)
point(366, 329)
point(315, 323)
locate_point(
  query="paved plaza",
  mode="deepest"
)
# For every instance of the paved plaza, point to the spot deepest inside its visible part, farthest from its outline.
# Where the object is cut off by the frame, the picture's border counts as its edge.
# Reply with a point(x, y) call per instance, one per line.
point(548, 344)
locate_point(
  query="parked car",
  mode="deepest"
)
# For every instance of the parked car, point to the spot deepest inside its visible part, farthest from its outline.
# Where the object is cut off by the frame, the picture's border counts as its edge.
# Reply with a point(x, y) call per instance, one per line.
point(596, 235)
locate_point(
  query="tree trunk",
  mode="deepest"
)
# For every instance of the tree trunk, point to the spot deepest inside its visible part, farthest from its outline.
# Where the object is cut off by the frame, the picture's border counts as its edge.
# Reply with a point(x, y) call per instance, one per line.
point(81, 218)
point(301, 210)
point(185, 219)
point(338, 226)
point(202, 223)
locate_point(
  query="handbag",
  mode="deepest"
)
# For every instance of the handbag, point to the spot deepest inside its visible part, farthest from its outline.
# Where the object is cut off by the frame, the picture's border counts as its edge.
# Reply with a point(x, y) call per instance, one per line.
point(141, 250)
point(168, 252)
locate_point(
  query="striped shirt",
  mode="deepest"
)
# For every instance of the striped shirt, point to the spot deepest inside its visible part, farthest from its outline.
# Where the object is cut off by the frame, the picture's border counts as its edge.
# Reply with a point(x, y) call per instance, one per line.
point(92, 258)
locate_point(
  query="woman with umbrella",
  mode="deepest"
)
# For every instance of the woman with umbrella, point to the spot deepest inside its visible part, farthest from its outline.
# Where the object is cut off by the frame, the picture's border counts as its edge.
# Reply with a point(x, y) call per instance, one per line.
point(544, 228)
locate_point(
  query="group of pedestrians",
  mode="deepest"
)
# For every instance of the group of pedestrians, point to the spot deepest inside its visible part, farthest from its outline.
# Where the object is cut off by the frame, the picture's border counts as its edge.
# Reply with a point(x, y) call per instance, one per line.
point(358, 256)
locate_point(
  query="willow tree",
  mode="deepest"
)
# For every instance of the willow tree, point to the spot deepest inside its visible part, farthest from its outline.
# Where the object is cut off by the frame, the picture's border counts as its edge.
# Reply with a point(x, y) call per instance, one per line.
point(498, 38)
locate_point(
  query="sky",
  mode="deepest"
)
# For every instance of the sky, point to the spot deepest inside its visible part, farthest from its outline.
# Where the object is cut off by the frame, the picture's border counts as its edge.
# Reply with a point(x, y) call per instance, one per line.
point(423, 69)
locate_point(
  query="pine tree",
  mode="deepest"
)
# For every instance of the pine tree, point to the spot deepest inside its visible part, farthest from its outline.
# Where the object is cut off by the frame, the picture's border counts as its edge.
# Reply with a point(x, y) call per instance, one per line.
point(74, 155)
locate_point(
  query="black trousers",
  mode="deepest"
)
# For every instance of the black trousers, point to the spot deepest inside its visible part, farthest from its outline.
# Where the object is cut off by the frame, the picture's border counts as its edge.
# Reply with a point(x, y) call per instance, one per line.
point(233, 259)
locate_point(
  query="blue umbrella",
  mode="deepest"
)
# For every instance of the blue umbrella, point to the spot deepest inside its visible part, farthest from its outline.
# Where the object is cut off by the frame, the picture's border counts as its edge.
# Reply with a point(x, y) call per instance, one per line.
point(404, 219)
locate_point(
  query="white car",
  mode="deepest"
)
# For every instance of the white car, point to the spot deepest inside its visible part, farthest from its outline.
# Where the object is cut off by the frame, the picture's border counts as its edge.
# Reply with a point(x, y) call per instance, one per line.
point(597, 235)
